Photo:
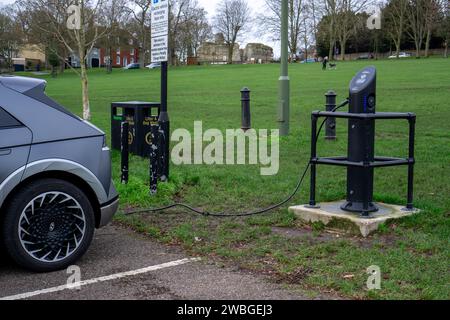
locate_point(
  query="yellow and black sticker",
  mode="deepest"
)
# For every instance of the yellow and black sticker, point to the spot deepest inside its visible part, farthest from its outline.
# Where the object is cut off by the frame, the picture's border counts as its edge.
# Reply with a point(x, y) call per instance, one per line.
point(130, 138)
point(130, 120)
point(148, 138)
point(150, 121)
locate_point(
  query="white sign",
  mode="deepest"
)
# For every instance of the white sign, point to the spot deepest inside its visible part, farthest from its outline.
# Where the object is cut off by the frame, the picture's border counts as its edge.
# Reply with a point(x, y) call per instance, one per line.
point(160, 46)
point(160, 30)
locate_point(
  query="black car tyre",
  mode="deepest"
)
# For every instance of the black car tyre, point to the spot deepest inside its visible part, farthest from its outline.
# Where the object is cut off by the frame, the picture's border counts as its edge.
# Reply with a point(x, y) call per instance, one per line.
point(48, 225)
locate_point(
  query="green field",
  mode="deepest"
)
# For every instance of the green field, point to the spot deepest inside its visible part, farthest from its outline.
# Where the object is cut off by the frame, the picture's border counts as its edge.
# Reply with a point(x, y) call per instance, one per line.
point(413, 253)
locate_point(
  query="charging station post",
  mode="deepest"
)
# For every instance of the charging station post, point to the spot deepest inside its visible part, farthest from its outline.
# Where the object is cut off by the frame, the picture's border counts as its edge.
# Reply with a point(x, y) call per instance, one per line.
point(361, 160)
point(124, 151)
point(154, 160)
point(164, 124)
point(160, 53)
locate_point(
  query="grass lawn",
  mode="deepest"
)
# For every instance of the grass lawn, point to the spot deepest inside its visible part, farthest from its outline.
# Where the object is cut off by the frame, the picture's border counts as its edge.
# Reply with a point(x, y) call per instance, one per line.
point(413, 253)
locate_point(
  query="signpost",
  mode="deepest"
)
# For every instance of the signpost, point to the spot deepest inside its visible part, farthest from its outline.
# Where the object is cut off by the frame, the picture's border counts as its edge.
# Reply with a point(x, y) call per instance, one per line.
point(160, 30)
point(284, 89)
point(160, 53)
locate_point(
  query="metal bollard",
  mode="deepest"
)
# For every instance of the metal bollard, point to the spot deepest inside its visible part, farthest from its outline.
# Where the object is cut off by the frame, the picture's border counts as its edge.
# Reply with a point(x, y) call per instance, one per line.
point(154, 160)
point(124, 150)
point(246, 115)
point(331, 122)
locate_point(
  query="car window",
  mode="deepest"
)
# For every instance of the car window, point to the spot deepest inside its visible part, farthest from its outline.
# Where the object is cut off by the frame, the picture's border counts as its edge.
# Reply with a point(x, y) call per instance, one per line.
point(7, 120)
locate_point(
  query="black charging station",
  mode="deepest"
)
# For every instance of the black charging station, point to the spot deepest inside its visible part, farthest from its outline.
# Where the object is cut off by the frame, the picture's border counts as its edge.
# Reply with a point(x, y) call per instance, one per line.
point(141, 117)
point(361, 142)
point(361, 160)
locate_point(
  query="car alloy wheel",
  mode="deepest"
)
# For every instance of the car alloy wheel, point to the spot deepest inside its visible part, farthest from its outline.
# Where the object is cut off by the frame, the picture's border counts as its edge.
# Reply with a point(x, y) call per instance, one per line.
point(52, 227)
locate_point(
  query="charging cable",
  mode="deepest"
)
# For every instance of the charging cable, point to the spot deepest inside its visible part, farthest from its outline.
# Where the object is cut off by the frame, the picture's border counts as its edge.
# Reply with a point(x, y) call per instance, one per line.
point(244, 214)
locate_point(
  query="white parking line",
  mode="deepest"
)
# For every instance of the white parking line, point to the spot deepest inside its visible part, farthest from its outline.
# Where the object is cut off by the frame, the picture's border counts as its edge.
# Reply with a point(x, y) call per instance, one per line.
point(100, 279)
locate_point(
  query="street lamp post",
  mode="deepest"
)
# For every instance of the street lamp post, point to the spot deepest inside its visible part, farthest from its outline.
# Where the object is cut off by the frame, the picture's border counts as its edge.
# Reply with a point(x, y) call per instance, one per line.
point(284, 90)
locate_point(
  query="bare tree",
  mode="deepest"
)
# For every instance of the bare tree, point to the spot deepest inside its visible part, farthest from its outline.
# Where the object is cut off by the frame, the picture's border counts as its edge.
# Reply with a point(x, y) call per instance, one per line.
point(331, 11)
point(194, 30)
point(10, 35)
point(431, 12)
point(32, 21)
point(444, 29)
point(200, 29)
point(395, 16)
point(113, 15)
point(307, 25)
point(297, 18)
point(315, 16)
point(178, 9)
point(347, 19)
point(232, 19)
point(142, 17)
point(80, 39)
point(417, 25)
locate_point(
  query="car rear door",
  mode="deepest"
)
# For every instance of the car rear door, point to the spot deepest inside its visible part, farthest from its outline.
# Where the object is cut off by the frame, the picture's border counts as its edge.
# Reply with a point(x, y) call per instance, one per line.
point(15, 141)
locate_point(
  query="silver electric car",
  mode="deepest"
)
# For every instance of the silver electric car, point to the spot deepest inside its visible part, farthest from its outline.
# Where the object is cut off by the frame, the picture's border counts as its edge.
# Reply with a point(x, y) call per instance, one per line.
point(55, 178)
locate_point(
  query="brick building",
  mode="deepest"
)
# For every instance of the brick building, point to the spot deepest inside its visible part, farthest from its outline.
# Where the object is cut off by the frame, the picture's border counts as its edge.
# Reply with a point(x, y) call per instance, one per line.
point(120, 57)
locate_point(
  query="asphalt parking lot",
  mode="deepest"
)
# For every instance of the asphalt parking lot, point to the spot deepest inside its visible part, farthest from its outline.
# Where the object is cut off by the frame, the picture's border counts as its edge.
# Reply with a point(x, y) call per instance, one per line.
point(124, 265)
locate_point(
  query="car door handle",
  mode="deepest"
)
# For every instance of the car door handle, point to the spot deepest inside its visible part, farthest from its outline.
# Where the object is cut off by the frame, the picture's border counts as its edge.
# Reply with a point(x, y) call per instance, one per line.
point(5, 152)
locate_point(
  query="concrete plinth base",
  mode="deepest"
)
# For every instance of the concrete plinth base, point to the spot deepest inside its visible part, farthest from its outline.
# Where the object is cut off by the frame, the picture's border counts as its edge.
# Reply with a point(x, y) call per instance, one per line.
point(332, 212)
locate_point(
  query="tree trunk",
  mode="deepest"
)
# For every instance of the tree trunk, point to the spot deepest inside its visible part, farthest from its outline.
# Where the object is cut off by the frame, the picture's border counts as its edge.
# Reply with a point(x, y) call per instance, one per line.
point(173, 55)
point(306, 51)
point(343, 44)
point(331, 50)
point(446, 49)
point(84, 80)
point(109, 62)
point(85, 92)
point(332, 41)
point(143, 46)
point(230, 53)
point(427, 43)
point(398, 42)
point(397, 50)
point(62, 65)
point(142, 57)
point(418, 47)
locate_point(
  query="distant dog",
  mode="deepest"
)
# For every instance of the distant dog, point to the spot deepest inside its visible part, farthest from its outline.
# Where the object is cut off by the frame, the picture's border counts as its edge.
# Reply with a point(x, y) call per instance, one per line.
point(333, 66)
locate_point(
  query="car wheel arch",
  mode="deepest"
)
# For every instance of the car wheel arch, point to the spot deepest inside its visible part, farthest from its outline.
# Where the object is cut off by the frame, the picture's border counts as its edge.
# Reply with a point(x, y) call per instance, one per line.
point(65, 176)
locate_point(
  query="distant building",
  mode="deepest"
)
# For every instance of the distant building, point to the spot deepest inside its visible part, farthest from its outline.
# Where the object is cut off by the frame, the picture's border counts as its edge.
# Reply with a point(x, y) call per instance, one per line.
point(120, 57)
point(29, 57)
point(217, 52)
point(32, 52)
point(258, 53)
point(98, 57)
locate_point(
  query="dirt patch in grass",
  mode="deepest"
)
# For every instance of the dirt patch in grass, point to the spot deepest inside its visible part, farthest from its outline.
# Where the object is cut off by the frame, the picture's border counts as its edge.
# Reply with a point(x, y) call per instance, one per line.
point(330, 235)
point(297, 276)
